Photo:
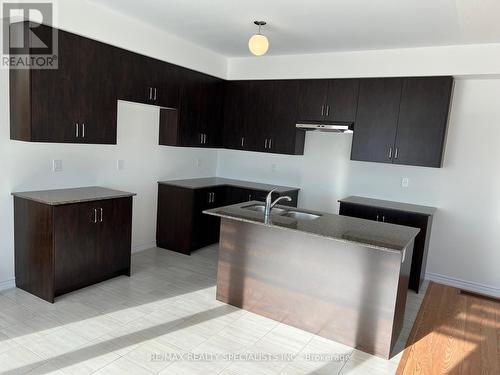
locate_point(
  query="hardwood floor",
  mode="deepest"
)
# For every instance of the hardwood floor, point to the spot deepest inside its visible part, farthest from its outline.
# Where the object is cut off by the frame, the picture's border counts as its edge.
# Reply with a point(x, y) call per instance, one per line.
point(455, 333)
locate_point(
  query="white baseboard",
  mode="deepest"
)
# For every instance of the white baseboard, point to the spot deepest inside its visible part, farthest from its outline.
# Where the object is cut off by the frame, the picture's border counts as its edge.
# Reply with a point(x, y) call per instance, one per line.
point(465, 285)
point(142, 247)
point(7, 284)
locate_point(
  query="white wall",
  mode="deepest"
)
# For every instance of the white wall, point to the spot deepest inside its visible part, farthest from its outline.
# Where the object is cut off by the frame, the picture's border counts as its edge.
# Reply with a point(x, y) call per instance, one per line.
point(97, 22)
point(466, 60)
point(465, 237)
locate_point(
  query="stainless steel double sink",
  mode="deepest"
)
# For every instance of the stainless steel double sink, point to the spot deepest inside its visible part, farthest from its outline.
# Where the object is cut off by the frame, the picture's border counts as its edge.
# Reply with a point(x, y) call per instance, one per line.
point(283, 212)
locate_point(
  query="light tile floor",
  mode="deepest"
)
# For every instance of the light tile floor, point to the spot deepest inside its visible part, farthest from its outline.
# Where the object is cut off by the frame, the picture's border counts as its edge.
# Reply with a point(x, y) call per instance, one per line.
point(168, 310)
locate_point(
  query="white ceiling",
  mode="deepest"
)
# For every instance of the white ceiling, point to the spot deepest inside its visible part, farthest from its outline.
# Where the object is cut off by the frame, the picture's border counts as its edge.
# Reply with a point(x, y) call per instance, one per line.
point(313, 26)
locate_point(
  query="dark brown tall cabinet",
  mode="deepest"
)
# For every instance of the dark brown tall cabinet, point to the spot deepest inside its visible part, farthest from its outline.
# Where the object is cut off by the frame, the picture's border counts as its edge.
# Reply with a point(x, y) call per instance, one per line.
point(402, 120)
point(75, 103)
point(61, 248)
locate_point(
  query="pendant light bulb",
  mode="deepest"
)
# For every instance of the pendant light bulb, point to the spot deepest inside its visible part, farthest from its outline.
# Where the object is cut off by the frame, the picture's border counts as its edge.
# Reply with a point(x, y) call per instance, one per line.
point(258, 43)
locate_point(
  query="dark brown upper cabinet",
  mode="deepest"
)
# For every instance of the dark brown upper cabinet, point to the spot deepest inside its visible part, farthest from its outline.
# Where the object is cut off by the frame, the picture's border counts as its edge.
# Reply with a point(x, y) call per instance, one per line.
point(261, 116)
point(283, 136)
point(75, 103)
point(376, 120)
point(146, 80)
point(423, 119)
point(328, 100)
point(402, 120)
point(235, 133)
point(200, 117)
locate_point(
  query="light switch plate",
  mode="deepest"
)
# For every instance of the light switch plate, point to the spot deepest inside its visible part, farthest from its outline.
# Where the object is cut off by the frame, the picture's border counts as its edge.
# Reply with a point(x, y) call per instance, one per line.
point(57, 165)
point(405, 182)
point(120, 165)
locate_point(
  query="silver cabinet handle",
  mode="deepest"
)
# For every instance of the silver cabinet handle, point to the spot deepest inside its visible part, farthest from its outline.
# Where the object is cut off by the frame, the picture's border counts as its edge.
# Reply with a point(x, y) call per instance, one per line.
point(383, 218)
point(205, 138)
point(242, 141)
point(76, 127)
point(327, 110)
point(100, 219)
point(150, 93)
point(249, 197)
point(270, 143)
point(213, 197)
point(396, 153)
point(210, 197)
point(265, 143)
point(95, 215)
point(155, 93)
point(377, 217)
point(83, 130)
point(322, 110)
point(390, 152)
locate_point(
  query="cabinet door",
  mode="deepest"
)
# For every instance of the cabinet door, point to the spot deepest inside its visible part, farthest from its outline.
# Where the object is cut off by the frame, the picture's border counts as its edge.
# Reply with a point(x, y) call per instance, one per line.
point(285, 137)
point(54, 94)
point(234, 129)
point(205, 227)
point(423, 119)
point(342, 101)
point(129, 68)
point(174, 225)
point(376, 120)
point(75, 238)
point(215, 104)
point(97, 93)
point(166, 80)
point(312, 100)
point(114, 235)
point(192, 105)
point(257, 112)
point(360, 211)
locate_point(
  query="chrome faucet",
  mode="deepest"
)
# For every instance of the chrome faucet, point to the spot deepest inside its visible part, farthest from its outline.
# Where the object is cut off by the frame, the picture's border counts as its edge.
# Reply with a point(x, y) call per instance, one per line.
point(269, 205)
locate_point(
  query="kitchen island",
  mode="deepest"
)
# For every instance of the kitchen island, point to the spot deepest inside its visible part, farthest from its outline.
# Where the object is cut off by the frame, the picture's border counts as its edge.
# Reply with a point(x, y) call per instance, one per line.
point(339, 277)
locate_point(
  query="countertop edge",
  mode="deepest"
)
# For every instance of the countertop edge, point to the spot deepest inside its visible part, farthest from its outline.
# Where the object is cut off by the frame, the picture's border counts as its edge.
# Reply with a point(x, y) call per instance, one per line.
point(279, 187)
point(375, 247)
point(19, 195)
point(373, 205)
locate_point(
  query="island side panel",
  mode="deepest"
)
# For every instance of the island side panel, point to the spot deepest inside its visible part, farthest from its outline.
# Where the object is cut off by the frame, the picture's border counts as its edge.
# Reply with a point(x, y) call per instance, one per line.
point(341, 291)
point(404, 281)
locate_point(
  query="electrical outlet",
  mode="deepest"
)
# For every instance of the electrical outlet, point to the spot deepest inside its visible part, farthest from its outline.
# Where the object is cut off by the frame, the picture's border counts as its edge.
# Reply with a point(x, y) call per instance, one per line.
point(120, 165)
point(197, 162)
point(57, 165)
point(405, 182)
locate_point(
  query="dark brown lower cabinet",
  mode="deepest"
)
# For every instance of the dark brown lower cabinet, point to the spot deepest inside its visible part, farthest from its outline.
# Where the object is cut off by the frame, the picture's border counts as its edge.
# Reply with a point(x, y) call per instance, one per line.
point(422, 220)
point(62, 248)
point(181, 224)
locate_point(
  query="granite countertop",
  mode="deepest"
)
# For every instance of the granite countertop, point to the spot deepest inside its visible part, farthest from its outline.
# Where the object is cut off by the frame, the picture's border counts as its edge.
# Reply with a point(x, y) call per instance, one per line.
point(198, 183)
point(373, 234)
point(390, 205)
point(73, 195)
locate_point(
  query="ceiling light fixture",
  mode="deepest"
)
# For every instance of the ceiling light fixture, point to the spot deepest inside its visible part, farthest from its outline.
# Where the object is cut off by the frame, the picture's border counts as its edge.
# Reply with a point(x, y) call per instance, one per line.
point(258, 43)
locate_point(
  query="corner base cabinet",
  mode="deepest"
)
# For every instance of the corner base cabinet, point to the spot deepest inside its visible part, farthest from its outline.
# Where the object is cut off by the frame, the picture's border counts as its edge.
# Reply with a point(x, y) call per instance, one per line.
point(61, 248)
point(181, 224)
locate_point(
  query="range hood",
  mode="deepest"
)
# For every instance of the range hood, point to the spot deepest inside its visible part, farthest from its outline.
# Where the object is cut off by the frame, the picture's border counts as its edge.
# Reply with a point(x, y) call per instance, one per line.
point(332, 128)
